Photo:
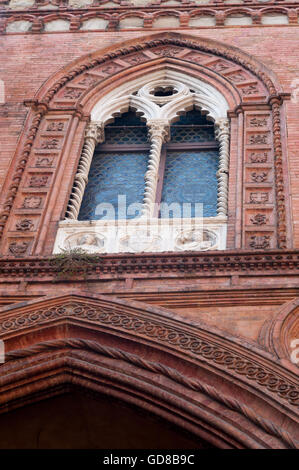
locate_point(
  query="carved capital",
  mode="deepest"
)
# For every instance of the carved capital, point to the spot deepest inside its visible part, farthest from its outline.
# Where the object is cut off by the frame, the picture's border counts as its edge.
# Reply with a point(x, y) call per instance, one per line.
point(159, 128)
point(95, 131)
point(221, 128)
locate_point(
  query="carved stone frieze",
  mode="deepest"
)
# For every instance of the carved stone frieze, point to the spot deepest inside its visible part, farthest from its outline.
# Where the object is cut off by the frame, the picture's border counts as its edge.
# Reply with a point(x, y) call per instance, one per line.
point(32, 202)
point(24, 225)
point(50, 144)
point(259, 177)
point(259, 139)
point(250, 90)
point(141, 235)
point(18, 248)
point(44, 162)
point(55, 127)
point(258, 157)
point(258, 122)
point(260, 242)
point(259, 198)
point(258, 219)
point(200, 240)
point(38, 181)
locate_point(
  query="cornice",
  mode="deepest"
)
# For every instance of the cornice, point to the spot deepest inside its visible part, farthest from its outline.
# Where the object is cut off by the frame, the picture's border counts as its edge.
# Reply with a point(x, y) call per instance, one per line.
point(159, 265)
point(188, 6)
point(113, 15)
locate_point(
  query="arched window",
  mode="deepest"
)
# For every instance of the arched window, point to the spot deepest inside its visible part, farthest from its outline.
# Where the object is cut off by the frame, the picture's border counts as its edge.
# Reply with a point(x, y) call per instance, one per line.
point(187, 169)
point(157, 154)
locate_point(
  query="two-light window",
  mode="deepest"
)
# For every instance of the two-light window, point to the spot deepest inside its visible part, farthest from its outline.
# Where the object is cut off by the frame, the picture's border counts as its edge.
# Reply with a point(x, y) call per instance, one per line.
point(187, 170)
point(153, 173)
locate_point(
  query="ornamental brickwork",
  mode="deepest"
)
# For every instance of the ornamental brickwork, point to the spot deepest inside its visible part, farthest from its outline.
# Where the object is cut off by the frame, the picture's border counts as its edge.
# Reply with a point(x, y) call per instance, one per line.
point(205, 340)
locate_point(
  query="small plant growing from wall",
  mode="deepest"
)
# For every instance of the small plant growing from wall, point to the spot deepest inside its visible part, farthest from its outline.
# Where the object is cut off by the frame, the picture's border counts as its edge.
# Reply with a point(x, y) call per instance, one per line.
point(73, 262)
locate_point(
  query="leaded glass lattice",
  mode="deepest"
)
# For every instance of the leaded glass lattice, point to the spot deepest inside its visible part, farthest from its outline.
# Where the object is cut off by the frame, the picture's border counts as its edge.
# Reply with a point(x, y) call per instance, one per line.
point(114, 174)
point(190, 177)
point(126, 136)
point(193, 127)
point(126, 130)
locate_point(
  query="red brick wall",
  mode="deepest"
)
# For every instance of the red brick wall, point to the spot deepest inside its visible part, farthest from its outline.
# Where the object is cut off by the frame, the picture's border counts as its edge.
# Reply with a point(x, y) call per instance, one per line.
point(29, 60)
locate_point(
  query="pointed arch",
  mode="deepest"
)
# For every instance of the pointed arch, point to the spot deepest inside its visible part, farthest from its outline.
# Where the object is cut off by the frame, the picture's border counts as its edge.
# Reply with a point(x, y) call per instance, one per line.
point(67, 98)
point(183, 371)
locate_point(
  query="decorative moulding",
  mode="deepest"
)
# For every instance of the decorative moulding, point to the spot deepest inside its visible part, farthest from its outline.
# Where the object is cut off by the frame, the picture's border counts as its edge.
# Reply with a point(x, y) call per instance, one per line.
point(157, 265)
point(228, 358)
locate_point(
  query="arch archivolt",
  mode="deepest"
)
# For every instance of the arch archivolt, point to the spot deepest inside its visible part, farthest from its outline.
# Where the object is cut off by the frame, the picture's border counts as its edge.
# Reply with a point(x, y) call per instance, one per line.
point(184, 372)
point(227, 84)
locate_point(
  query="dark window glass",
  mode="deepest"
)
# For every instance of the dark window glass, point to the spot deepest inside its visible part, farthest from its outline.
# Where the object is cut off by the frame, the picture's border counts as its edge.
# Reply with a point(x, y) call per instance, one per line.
point(188, 168)
point(190, 171)
point(190, 176)
point(115, 172)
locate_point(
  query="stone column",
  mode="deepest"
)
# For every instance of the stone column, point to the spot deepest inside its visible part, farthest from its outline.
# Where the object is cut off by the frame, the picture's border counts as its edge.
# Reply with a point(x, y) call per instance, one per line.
point(222, 135)
point(159, 132)
point(94, 134)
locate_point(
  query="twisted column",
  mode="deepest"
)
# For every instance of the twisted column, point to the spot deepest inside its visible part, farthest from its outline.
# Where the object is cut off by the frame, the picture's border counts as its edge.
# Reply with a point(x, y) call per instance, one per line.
point(94, 134)
point(222, 135)
point(159, 132)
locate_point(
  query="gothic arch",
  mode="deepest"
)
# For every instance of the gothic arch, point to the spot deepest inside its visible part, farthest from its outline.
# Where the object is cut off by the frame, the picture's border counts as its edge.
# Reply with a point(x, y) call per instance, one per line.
point(54, 130)
point(182, 371)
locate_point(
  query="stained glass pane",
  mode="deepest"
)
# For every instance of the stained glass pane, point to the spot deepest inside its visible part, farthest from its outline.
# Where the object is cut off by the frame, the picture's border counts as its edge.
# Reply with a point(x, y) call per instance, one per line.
point(126, 130)
point(193, 117)
point(193, 127)
point(126, 136)
point(190, 176)
point(192, 134)
point(111, 175)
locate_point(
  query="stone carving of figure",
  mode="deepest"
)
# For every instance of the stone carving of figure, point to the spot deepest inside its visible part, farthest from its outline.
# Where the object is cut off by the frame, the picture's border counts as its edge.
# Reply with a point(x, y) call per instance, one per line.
point(90, 242)
point(196, 240)
point(86, 241)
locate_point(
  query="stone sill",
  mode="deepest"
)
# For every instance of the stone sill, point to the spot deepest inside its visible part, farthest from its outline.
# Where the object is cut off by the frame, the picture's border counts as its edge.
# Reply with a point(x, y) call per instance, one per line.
point(142, 235)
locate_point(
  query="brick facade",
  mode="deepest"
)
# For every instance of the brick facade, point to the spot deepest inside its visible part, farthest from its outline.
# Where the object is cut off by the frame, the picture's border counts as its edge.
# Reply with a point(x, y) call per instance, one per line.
point(228, 317)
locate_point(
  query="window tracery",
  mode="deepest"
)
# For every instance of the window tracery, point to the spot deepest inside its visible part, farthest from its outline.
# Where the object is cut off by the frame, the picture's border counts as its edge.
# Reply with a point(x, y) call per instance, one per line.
point(183, 145)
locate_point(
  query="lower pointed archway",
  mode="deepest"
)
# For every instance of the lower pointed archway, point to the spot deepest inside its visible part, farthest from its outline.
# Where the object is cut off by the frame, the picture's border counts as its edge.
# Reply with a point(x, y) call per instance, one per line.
point(79, 419)
point(200, 382)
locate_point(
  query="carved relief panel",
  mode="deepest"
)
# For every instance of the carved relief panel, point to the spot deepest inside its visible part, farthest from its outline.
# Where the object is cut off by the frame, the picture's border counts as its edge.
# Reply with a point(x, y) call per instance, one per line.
point(259, 207)
point(36, 185)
